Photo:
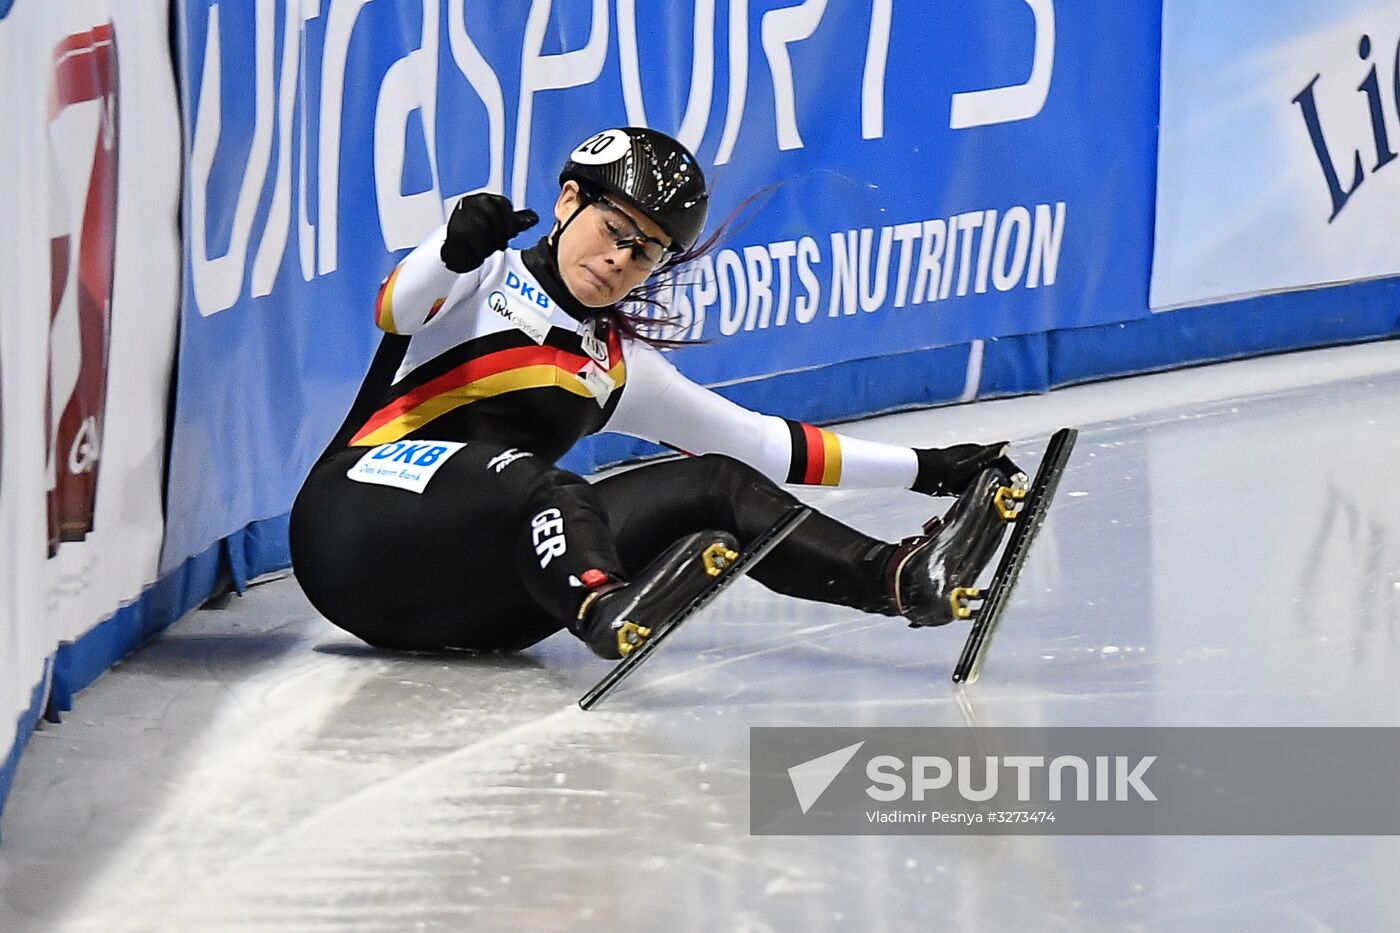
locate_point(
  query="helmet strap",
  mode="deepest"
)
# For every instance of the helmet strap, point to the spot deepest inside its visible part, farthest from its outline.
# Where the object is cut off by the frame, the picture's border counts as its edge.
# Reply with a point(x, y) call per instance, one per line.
point(554, 236)
point(586, 195)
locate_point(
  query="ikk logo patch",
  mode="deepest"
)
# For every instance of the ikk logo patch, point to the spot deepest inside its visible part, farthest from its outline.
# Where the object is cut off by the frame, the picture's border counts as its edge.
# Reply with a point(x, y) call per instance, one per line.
point(534, 324)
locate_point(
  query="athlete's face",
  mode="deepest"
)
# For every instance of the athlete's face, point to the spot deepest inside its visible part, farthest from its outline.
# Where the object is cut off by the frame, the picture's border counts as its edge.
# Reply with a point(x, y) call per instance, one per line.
point(608, 250)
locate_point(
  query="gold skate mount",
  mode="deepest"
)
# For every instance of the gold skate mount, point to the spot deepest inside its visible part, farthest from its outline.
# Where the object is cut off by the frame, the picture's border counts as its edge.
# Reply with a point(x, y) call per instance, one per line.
point(1009, 498)
point(717, 558)
point(631, 635)
point(959, 598)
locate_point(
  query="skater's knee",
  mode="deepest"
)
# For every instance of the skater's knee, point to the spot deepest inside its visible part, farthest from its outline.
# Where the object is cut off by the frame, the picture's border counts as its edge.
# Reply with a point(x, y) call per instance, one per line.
point(732, 486)
point(553, 496)
point(547, 480)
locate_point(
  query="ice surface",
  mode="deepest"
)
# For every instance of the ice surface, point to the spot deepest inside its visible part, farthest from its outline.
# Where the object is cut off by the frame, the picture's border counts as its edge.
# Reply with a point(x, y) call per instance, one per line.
point(1225, 550)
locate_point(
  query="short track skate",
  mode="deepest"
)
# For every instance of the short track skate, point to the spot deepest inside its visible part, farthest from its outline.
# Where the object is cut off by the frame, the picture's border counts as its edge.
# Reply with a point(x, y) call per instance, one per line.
point(643, 636)
point(1026, 509)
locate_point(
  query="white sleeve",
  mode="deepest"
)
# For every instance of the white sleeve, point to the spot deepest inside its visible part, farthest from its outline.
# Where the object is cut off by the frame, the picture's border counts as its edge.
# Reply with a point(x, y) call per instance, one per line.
point(661, 405)
point(419, 286)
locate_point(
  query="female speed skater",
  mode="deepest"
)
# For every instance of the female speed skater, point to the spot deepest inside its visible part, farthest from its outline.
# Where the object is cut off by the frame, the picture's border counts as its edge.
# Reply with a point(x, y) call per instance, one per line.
point(437, 518)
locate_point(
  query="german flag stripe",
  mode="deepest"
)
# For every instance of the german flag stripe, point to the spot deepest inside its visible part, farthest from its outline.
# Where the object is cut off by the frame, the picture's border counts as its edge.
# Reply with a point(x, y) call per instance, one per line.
point(483, 366)
point(384, 304)
point(816, 455)
point(528, 377)
point(831, 459)
point(798, 462)
point(512, 370)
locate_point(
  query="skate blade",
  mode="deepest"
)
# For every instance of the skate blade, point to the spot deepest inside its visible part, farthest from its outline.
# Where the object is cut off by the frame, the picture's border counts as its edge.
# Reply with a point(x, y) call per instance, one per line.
point(1031, 515)
point(750, 556)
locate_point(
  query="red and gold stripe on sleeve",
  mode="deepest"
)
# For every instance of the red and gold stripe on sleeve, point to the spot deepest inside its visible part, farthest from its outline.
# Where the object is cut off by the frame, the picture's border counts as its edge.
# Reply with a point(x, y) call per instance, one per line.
point(483, 377)
point(384, 305)
point(816, 455)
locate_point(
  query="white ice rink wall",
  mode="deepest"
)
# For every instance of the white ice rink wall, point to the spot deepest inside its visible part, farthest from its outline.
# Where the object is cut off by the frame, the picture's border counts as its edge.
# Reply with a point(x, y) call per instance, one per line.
point(89, 298)
point(972, 200)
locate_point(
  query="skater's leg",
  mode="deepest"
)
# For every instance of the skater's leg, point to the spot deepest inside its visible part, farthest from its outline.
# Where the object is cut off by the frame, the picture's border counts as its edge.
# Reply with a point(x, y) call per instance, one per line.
point(562, 543)
point(649, 507)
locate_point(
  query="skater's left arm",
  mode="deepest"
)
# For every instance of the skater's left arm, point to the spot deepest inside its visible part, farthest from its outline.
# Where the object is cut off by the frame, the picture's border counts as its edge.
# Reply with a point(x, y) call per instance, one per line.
point(661, 405)
point(445, 269)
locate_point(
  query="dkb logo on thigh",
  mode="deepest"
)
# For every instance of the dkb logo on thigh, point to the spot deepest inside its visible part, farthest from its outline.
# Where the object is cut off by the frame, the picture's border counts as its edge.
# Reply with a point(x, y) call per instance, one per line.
point(405, 464)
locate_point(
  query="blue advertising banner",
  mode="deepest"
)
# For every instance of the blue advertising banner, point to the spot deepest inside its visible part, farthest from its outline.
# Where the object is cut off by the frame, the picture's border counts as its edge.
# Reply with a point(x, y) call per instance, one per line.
point(931, 175)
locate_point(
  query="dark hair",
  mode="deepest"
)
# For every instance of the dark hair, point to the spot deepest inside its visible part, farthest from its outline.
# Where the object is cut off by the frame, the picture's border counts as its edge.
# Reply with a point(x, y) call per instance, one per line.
point(655, 317)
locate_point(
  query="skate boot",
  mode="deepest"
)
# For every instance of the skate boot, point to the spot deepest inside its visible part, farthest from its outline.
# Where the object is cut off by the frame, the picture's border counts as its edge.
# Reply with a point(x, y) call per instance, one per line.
point(933, 576)
point(617, 617)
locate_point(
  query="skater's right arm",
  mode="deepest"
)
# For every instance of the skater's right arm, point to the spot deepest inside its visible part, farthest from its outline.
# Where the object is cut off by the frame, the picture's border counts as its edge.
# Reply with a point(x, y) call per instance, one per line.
point(446, 266)
point(662, 405)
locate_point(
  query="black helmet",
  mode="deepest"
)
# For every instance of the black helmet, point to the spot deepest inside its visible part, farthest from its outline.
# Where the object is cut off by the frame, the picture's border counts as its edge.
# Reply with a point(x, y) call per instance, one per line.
point(652, 171)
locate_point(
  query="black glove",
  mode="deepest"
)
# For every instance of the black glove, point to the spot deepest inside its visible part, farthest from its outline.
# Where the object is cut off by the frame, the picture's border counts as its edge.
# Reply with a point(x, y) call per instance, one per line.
point(947, 471)
point(482, 224)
